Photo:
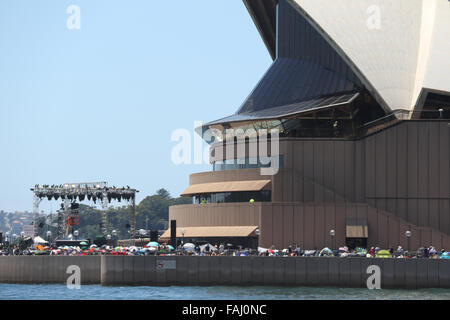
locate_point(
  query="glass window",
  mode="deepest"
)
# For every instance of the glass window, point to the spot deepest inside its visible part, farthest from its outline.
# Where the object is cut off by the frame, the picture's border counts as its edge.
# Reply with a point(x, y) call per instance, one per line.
point(249, 163)
point(232, 197)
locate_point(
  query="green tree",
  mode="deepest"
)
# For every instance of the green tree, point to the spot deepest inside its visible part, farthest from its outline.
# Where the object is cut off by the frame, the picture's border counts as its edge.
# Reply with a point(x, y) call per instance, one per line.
point(163, 193)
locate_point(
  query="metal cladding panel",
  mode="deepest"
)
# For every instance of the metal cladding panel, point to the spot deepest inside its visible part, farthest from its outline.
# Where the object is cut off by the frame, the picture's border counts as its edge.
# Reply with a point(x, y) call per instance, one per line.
point(294, 80)
point(263, 14)
point(299, 39)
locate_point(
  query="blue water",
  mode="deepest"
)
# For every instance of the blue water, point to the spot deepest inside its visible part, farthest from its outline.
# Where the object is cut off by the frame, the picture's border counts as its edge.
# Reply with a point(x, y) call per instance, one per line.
point(96, 292)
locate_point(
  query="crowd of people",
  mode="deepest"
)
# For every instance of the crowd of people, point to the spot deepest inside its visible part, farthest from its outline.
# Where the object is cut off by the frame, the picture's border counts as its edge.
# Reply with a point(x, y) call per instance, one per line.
point(207, 249)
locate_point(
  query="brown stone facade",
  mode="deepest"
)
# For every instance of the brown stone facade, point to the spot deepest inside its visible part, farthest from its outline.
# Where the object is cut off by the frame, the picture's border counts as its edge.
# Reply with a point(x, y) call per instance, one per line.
point(392, 181)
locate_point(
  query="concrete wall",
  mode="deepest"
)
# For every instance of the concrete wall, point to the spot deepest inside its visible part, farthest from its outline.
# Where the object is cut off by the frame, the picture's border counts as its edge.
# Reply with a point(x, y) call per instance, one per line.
point(211, 271)
point(271, 271)
point(48, 269)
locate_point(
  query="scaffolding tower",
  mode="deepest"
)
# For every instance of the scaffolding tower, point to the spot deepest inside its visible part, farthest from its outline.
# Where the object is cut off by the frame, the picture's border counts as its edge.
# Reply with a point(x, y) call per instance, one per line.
point(92, 191)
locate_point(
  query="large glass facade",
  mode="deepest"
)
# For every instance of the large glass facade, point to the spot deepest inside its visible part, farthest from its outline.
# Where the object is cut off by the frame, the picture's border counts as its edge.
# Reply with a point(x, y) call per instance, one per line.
point(248, 163)
point(229, 197)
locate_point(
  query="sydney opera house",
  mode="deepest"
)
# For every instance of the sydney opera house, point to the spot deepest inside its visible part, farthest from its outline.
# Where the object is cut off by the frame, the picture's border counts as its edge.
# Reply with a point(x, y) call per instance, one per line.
point(360, 94)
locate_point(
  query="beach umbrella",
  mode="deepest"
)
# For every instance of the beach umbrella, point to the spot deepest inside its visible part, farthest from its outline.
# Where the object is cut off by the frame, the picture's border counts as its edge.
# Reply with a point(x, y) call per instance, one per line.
point(445, 255)
point(189, 247)
point(152, 244)
point(383, 254)
point(325, 252)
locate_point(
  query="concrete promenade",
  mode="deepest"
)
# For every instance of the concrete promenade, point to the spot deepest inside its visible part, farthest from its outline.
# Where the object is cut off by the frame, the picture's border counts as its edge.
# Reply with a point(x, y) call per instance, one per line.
point(236, 271)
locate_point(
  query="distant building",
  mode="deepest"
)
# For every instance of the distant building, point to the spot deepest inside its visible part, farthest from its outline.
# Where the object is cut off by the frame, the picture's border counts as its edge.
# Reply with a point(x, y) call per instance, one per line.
point(361, 96)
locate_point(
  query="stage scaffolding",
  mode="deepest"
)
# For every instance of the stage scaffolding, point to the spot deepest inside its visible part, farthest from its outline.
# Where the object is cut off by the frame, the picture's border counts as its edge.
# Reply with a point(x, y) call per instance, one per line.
point(70, 193)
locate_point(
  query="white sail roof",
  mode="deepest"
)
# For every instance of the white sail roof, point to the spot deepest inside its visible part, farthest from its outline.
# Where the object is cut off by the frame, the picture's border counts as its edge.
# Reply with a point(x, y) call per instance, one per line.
point(396, 48)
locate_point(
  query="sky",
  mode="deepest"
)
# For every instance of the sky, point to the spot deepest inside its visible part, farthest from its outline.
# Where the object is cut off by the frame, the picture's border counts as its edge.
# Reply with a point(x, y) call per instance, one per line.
point(100, 103)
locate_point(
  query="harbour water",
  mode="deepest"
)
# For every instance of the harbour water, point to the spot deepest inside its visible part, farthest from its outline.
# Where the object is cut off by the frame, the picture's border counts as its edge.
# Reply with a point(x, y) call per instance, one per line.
point(97, 292)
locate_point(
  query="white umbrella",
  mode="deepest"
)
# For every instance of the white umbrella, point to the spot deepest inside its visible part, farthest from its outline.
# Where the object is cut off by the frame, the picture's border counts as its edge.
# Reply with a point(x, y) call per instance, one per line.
point(189, 247)
point(211, 247)
point(39, 240)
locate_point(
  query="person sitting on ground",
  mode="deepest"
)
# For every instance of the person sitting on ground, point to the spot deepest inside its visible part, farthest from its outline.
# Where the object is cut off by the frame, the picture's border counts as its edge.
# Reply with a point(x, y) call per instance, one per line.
point(399, 251)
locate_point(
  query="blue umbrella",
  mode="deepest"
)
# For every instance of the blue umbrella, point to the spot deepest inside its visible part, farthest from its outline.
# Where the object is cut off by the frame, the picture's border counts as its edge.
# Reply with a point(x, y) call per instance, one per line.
point(153, 244)
point(170, 247)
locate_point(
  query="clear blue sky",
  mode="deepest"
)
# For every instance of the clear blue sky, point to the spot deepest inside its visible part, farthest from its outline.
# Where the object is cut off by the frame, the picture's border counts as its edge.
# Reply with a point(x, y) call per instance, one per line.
point(101, 103)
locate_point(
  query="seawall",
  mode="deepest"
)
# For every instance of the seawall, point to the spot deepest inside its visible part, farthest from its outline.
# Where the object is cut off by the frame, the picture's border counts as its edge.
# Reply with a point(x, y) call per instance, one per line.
point(236, 271)
point(272, 271)
point(48, 269)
